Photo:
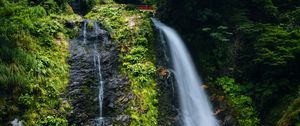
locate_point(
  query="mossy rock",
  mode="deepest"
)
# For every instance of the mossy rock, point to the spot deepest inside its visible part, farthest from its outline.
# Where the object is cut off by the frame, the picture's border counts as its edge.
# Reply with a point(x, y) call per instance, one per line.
point(90, 26)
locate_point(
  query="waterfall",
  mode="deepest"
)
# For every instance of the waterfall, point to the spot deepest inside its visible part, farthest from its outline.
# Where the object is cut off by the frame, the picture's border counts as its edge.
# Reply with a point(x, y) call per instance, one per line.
point(84, 31)
point(91, 44)
point(100, 120)
point(194, 105)
point(16, 122)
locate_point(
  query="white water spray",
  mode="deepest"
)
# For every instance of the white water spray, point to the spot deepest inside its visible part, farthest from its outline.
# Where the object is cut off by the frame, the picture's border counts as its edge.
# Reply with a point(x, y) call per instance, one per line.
point(16, 122)
point(195, 107)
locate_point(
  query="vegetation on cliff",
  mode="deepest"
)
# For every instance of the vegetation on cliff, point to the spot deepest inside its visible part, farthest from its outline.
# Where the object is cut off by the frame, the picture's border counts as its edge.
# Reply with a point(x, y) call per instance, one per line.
point(131, 30)
point(33, 67)
point(34, 49)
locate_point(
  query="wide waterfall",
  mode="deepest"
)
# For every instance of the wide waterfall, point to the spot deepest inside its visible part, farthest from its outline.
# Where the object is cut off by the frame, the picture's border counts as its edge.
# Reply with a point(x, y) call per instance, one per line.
point(195, 107)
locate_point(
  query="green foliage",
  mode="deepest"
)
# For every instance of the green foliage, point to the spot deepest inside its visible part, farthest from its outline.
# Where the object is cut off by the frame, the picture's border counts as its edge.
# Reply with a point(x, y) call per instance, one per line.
point(267, 7)
point(33, 67)
point(268, 60)
point(242, 104)
point(26, 100)
point(277, 46)
point(292, 115)
point(51, 6)
point(46, 26)
point(257, 45)
point(222, 38)
point(132, 31)
point(150, 2)
point(90, 26)
point(52, 121)
point(86, 5)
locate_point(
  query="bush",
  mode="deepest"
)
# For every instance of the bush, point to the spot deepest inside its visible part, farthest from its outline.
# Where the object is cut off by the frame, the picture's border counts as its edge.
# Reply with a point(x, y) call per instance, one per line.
point(52, 121)
point(33, 65)
point(242, 104)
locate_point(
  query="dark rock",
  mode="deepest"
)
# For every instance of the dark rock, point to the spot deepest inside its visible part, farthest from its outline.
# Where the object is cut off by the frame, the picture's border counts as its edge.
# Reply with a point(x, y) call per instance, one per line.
point(84, 81)
point(111, 105)
point(70, 24)
point(229, 121)
point(168, 106)
point(123, 118)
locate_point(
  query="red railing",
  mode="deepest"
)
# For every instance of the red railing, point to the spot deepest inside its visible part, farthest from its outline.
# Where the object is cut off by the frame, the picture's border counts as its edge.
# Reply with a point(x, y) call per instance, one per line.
point(146, 8)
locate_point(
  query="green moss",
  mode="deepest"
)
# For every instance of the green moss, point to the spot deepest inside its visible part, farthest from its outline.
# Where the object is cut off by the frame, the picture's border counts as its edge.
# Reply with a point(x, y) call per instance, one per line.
point(90, 26)
point(133, 33)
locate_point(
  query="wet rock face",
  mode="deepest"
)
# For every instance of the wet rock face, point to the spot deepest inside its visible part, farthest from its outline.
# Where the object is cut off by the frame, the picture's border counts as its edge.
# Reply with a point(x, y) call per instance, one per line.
point(223, 111)
point(83, 87)
point(116, 87)
point(168, 105)
point(84, 81)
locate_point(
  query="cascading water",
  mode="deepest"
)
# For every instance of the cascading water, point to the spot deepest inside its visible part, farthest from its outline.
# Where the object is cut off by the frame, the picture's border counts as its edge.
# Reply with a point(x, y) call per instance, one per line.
point(195, 107)
point(16, 122)
point(84, 31)
point(86, 75)
point(100, 120)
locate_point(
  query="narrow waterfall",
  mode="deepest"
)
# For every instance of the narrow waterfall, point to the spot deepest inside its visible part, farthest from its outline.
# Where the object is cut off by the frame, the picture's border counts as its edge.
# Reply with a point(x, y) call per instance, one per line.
point(86, 78)
point(195, 107)
point(84, 31)
point(100, 120)
point(16, 122)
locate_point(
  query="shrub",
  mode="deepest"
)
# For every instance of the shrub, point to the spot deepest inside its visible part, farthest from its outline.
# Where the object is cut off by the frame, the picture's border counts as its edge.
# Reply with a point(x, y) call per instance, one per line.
point(33, 68)
point(242, 104)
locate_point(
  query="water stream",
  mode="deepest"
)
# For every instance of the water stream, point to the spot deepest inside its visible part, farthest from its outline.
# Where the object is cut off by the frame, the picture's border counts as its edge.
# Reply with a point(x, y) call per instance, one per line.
point(194, 105)
point(84, 31)
point(86, 52)
point(16, 122)
point(100, 120)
